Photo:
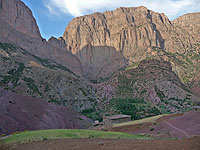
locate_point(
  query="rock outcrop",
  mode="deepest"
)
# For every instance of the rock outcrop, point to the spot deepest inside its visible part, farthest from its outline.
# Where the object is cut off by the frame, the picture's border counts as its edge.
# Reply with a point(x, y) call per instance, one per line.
point(125, 50)
point(130, 30)
point(100, 62)
point(19, 113)
point(18, 26)
point(134, 32)
point(57, 43)
point(18, 16)
point(190, 23)
point(125, 29)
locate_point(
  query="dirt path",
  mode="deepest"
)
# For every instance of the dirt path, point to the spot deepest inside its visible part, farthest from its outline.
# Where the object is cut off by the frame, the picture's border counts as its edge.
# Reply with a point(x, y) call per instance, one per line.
point(108, 144)
point(177, 129)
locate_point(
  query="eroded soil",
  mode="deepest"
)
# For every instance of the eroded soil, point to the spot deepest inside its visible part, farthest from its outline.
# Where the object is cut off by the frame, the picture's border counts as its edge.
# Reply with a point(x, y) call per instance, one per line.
point(192, 143)
point(172, 126)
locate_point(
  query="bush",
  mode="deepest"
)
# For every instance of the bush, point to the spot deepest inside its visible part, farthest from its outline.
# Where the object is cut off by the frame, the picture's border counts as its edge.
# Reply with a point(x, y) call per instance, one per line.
point(92, 114)
point(151, 129)
point(137, 108)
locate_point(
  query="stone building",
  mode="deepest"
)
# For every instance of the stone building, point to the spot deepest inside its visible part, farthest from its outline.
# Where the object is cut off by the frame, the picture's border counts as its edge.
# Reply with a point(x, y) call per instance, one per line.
point(108, 120)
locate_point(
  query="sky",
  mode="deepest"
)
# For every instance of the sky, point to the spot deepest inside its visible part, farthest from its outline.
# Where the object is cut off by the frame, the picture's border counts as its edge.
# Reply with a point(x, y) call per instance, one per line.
point(53, 15)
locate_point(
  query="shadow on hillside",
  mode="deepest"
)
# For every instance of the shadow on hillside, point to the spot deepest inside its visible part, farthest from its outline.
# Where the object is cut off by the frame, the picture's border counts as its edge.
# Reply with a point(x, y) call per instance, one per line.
point(99, 62)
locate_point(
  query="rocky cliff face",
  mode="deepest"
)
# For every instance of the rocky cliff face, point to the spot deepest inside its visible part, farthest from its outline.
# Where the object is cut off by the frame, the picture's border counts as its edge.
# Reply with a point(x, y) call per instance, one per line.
point(18, 26)
point(132, 29)
point(57, 43)
point(190, 23)
point(134, 32)
point(100, 62)
point(140, 58)
point(125, 29)
point(18, 16)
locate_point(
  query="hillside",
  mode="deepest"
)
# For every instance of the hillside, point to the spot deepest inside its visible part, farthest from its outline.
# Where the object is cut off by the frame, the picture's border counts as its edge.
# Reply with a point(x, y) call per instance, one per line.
point(150, 89)
point(19, 27)
point(19, 113)
point(181, 125)
point(136, 34)
point(28, 74)
point(131, 60)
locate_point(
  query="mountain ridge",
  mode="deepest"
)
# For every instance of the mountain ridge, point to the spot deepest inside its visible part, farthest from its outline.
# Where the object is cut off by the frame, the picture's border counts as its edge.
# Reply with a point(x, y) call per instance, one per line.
point(105, 60)
point(26, 35)
point(134, 32)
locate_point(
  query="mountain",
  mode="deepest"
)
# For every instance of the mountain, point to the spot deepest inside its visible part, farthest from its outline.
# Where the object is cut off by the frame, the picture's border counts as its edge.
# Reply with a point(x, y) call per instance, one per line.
point(160, 58)
point(30, 65)
point(18, 16)
point(131, 60)
point(19, 113)
point(149, 89)
point(135, 34)
point(25, 73)
point(18, 26)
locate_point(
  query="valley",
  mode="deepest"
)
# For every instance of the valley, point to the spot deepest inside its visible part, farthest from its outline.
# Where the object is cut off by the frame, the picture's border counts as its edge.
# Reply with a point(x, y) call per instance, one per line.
point(130, 61)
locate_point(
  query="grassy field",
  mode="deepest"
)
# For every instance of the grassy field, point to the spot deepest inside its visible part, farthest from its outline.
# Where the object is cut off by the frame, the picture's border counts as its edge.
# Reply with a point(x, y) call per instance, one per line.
point(146, 120)
point(41, 135)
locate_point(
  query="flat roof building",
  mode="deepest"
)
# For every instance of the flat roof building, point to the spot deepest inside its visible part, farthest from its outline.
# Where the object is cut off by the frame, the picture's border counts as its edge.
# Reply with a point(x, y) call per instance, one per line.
point(109, 120)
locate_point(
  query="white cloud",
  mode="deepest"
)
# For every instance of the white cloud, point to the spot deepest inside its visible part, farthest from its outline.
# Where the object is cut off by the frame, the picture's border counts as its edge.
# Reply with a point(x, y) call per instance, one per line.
point(171, 8)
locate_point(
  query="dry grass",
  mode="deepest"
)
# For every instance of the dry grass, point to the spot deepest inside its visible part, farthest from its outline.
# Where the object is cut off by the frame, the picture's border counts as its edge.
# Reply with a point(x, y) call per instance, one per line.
point(146, 120)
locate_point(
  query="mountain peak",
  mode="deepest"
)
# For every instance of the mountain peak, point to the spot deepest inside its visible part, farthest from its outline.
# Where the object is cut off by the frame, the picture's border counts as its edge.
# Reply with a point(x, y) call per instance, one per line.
point(18, 16)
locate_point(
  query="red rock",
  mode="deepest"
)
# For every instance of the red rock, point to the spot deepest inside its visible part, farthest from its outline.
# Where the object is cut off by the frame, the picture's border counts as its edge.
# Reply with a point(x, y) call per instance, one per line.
point(18, 16)
point(19, 113)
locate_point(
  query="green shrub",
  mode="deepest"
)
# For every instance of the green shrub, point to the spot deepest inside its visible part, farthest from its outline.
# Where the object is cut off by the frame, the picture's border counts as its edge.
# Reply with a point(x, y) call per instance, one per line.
point(92, 114)
point(13, 75)
point(160, 94)
point(32, 86)
point(151, 129)
point(137, 108)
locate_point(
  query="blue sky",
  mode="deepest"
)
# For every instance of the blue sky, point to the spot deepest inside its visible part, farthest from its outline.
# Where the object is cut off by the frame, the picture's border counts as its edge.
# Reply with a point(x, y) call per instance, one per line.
point(53, 15)
point(49, 24)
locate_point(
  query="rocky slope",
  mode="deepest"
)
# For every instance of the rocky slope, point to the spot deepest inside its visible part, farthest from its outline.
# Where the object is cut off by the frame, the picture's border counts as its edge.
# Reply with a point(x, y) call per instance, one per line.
point(18, 16)
point(19, 113)
point(189, 23)
point(124, 29)
point(140, 63)
point(18, 26)
point(135, 33)
point(100, 62)
point(28, 74)
point(149, 89)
